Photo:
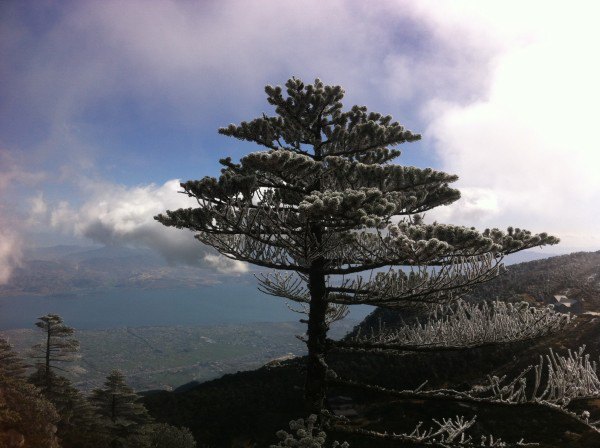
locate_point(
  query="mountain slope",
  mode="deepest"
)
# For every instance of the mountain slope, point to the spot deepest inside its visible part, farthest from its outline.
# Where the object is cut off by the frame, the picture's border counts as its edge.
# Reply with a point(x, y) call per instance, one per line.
point(577, 275)
point(246, 408)
point(69, 269)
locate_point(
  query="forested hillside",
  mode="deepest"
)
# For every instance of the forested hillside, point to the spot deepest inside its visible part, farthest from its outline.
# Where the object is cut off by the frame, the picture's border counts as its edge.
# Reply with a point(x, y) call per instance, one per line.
point(576, 275)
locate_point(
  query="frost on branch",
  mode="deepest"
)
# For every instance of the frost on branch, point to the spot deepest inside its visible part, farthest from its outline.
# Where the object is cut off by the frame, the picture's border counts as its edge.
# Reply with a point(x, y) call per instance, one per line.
point(450, 432)
point(305, 434)
point(568, 378)
point(422, 285)
point(555, 382)
point(466, 324)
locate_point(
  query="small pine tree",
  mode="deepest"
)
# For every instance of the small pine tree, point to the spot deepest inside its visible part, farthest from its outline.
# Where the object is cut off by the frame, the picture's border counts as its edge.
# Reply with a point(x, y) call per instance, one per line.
point(58, 347)
point(121, 411)
point(11, 365)
point(305, 434)
point(78, 424)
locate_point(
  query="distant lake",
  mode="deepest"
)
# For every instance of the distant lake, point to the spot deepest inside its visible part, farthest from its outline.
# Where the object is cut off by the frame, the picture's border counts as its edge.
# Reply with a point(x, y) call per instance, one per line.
point(118, 307)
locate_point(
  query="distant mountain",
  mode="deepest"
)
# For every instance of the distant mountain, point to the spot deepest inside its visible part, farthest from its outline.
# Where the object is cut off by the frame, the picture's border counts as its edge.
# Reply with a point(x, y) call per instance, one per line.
point(527, 255)
point(576, 275)
point(68, 269)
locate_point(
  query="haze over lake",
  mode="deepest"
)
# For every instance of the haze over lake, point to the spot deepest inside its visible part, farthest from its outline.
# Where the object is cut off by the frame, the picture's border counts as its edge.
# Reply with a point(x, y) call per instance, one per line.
point(119, 307)
point(108, 287)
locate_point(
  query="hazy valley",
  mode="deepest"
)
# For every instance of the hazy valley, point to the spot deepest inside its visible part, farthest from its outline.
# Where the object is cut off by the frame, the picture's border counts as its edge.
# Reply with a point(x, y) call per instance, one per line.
point(168, 357)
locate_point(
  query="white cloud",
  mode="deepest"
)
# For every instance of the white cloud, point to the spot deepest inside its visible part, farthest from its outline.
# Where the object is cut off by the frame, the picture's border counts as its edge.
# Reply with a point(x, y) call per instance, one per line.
point(13, 177)
point(117, 215)
point(531, 143)
point(10, 252)
point(225, 265)
point(38, 210)
point(475, 205)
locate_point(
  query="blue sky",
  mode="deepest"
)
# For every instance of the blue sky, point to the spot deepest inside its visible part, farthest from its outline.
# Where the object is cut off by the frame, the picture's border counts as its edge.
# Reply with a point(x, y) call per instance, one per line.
point(105, 104)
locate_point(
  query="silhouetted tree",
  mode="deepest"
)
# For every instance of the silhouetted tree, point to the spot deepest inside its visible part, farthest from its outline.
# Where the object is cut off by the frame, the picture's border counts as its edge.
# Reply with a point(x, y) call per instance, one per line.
point(27, 418)
point(11, 365)
point(119, 406)
point(58, 347)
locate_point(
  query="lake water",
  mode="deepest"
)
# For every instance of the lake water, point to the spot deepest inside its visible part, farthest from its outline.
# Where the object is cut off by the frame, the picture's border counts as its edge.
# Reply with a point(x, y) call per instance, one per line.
point(112, 308)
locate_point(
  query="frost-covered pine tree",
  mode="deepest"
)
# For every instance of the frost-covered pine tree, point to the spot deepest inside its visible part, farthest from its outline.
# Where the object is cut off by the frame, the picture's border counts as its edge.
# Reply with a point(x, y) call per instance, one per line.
point(325, 208)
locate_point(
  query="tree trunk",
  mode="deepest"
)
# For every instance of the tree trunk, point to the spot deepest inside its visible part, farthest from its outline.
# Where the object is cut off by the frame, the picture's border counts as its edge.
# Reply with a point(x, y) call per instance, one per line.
point(316, 368)
point(314, 390)
point(47, 364)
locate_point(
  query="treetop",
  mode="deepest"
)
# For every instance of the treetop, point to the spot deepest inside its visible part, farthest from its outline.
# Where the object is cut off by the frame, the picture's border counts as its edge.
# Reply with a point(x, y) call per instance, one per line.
point(311, 115)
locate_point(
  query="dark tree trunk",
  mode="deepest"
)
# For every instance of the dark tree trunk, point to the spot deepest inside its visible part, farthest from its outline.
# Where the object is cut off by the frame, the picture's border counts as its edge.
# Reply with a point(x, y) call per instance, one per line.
point(314, 391)
point(316, 368)
point(47, 364)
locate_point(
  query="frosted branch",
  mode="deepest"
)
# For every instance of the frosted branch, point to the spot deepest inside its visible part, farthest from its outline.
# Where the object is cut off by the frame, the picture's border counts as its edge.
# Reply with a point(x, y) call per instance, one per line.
point(422, 285)
point(289, 286)
point(466, 325)
point(448, 433)
point(567, 378)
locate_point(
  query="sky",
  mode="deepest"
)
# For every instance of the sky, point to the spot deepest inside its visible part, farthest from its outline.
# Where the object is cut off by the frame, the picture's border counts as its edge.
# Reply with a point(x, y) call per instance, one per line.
point(105, 106)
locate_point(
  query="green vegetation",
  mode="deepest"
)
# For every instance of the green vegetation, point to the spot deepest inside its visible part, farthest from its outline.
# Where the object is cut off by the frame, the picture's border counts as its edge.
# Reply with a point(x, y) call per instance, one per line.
point(25, 414)
point(46, 411)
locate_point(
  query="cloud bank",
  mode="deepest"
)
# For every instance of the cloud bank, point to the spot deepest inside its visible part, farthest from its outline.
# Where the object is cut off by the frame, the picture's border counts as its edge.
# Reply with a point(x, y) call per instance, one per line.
point(527, 153)
point(194, 60)
point(117, 216)
point(10, 252)
point(12, 177)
